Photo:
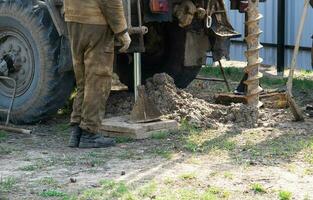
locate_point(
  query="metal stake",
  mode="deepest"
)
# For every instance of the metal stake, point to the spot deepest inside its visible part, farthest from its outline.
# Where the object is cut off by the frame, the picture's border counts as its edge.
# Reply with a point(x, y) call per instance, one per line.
point(137, 72)
point(224, 75)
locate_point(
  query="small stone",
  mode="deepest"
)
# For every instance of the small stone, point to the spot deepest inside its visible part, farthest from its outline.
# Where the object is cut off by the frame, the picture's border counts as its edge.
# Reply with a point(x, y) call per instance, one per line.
point(73, 180)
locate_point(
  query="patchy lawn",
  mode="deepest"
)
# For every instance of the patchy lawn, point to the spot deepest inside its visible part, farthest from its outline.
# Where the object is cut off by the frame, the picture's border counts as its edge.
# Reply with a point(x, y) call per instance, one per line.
point(272, 162)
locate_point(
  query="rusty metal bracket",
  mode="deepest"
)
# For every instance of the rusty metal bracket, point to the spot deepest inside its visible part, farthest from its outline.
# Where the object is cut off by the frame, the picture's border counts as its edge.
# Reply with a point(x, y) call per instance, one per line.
point(9, 110)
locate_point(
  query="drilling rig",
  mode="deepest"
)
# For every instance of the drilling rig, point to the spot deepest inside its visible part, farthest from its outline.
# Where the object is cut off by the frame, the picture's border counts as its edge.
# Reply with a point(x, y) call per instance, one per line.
point(173, 36)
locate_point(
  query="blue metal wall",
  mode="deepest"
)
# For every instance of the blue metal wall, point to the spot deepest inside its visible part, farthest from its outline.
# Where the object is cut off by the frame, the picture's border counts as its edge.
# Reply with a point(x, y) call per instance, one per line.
point(268, 24)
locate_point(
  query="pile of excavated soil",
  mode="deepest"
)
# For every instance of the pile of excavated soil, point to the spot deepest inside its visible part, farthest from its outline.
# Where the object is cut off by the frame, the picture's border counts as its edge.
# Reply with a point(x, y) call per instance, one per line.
point(182, 106)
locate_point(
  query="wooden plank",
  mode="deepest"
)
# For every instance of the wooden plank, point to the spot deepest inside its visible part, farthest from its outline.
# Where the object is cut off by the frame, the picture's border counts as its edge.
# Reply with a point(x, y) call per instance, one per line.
point(121, 127)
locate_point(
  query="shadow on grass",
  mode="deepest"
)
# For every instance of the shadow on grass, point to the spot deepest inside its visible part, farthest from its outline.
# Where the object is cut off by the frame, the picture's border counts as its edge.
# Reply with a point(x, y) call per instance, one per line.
point(270, 151)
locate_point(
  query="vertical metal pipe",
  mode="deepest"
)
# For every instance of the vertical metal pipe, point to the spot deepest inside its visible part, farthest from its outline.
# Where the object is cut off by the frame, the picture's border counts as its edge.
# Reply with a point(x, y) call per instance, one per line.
point(129, 16)
point(281, 37)
point(137, 72)
point(253, 88)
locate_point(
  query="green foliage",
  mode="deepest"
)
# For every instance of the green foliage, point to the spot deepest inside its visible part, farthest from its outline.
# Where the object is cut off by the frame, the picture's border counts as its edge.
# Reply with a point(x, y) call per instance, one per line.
point(233, 73)
point(48, 181)
point(188, 176)
point(52, 193)
point(148, 190)
point(62, 127)
point(303, 82)
point(206, 141)
point(284, 147)
point(7, 184)
point(164, 154)
point(258, 188)
point(109, 190)
point(123, 139)
point(309, 152)
point(3, 136)
point(31, 167)
point(285, 195)
point(228, 175)
point(160, 135)
point(216, 193)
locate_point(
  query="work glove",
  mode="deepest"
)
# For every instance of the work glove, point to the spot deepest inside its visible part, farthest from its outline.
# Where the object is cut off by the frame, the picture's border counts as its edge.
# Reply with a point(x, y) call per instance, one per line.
point(125, 41)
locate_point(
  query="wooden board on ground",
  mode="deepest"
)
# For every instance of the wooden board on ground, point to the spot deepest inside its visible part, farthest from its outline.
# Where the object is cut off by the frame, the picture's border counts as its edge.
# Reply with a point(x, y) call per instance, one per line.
point(277, 100)
point(122, 127)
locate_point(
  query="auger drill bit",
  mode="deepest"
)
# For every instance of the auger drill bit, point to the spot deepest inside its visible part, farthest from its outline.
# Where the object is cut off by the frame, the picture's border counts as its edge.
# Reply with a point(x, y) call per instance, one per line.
point(252, 83)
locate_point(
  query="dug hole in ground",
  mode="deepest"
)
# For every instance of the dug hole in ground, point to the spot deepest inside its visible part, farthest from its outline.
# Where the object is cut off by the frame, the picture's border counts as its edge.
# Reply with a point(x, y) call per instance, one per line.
point(219, 152)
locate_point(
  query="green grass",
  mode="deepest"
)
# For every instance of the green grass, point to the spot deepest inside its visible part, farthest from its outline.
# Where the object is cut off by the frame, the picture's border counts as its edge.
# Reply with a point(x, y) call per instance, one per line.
point(52, 193)
point(284, 147)
point(188, 176)
point(160, 135)
point(285, 195)
point(302, 83)
point(258, 188)
point(6, 149)
point(31, 167)
point(109, 190)
point(228, 175)
point(49, 181)
point(206, 141)
point(7, 184)
point(164, 153)
point(38, 164)
point(309, 152)
point(93, 158)
point(127, 155)
point(234, 74)
point(122, 139)
point(3, 136)
point(63, 127)
point(148, 190)
point(216, 193)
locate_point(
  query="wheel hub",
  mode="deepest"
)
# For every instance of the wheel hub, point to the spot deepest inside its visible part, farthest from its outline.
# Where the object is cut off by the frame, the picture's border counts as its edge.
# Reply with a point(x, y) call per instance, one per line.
point(16, 61)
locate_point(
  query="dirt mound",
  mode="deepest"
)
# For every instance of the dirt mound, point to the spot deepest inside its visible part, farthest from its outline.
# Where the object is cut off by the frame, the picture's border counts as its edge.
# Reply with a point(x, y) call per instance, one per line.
point(180, 105)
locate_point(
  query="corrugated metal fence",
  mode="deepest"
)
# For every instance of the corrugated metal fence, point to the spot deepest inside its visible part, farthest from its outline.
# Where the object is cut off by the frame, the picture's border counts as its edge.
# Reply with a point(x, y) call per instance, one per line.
point(268, 24)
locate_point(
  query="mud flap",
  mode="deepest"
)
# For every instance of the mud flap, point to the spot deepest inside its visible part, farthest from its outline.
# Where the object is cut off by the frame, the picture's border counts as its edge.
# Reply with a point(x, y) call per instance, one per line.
point(65, 57)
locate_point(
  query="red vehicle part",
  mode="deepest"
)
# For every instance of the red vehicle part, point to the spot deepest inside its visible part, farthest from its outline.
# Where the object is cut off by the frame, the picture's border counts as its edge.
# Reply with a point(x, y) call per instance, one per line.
point(159, 6)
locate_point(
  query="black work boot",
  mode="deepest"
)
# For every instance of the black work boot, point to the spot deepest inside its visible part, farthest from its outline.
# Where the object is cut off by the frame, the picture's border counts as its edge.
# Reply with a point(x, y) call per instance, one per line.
point(91, 140)
point(75, 136)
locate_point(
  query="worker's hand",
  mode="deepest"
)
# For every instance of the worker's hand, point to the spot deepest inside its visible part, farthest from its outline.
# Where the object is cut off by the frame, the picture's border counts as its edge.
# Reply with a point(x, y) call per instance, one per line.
point(125, 40)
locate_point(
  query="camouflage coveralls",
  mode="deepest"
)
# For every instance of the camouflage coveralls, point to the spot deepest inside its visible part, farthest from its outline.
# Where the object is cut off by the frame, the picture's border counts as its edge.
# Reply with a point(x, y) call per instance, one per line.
point(92, 25)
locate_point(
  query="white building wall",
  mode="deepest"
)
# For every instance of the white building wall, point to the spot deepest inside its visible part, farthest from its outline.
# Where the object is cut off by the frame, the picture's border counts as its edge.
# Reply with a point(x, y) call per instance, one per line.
point(294, 9)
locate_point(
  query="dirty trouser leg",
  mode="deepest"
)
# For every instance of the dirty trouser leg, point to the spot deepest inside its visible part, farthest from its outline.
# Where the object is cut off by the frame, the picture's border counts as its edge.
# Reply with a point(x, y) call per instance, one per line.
point(77, 47)
point(98, 60)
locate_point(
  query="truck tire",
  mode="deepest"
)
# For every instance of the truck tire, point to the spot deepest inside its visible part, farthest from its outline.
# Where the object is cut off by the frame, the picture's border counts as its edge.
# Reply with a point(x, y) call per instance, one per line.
point(27, 32)
point(168, 57)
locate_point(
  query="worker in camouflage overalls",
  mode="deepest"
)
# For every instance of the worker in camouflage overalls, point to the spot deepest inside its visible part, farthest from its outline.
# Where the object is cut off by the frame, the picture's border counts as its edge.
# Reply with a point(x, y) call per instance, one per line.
point(92, 27)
